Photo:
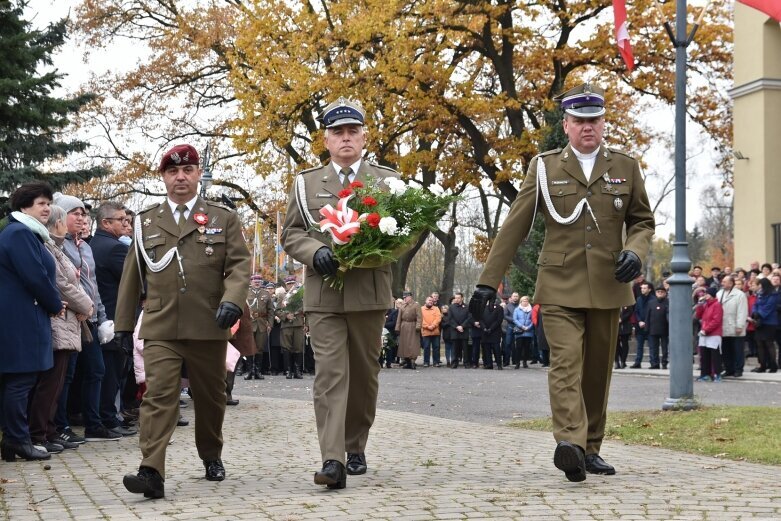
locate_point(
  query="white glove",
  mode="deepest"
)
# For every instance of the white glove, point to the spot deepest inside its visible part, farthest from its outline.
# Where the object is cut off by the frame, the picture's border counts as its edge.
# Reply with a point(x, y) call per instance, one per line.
point(106, 332)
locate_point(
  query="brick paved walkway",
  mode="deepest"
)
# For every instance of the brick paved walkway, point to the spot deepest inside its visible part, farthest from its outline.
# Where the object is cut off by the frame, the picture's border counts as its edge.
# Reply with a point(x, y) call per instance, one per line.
point(420, 468)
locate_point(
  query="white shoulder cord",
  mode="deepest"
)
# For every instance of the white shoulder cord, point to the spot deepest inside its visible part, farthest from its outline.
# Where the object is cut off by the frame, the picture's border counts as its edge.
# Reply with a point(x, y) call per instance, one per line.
point(160, 265)
point(301, 200)
point(542, 182)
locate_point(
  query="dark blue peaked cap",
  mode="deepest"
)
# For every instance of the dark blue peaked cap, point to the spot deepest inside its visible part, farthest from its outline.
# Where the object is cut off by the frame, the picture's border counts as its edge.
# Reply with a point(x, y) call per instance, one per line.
point(343, 112)
point(584, 101)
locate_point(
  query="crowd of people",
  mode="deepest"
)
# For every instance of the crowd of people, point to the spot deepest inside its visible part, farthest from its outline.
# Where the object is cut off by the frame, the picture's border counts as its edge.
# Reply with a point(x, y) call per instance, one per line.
point(735, 314)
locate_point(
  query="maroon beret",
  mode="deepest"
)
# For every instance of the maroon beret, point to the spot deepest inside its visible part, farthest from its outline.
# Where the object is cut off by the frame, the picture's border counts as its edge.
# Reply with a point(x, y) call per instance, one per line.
point(180, 155)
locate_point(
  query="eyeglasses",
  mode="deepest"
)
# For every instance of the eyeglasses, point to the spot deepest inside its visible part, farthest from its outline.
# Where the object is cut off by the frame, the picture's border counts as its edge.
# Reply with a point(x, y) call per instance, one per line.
point(123, 219)
point(78, 214)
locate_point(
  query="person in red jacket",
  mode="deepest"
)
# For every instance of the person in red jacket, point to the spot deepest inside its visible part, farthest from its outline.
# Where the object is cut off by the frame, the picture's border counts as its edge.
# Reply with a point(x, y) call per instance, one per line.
point(710, 314)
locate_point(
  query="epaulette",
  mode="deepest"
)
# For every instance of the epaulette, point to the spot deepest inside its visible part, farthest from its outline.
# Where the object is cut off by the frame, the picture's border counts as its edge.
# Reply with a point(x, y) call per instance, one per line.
point(149, 208)
point(219, 205)
point(617, 151)
point(389, 169)
point(549, 152)
point(308, 170)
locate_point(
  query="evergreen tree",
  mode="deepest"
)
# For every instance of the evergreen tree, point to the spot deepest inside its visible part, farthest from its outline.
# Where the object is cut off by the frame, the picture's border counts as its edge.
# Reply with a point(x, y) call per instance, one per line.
point(32, 121)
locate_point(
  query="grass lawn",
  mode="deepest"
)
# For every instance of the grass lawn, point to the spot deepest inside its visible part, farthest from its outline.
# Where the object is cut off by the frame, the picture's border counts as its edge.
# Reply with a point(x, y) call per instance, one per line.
point(739, 433)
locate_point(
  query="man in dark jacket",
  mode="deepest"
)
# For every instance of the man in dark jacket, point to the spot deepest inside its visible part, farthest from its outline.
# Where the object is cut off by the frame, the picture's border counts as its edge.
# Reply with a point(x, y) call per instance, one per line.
point(393, 337)
point(657, 320)
point(109, 254)
point(492, 335)
point(641, 333)
point(459, 329)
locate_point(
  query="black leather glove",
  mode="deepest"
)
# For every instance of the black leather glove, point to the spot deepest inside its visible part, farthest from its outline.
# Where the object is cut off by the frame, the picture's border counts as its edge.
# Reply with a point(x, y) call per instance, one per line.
point(227, 315)
point(324, 262)
point(482, 296)
point(124, 339)
point(627, 266)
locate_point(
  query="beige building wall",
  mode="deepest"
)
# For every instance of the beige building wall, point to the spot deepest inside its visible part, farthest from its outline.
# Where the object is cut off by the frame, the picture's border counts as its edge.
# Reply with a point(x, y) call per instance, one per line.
point(757, 135)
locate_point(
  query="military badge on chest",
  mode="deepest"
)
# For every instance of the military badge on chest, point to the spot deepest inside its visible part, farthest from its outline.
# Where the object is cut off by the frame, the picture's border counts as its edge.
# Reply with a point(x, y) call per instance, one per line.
point(608, 187)
point(201, 219)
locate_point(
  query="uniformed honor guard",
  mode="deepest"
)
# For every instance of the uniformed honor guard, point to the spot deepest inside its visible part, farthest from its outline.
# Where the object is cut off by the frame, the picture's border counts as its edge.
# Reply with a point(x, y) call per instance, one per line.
point(292, 330)
point(345, 326)
point(589, 195)
point(261, 308)
point(191, 259)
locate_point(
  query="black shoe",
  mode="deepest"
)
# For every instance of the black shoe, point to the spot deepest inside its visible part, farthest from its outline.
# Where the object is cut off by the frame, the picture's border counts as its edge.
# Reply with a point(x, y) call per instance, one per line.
point(63, 443)
point(596, 465)
point(758, 370)
point(635, 366)
point(101, 433)
point(148, 482)
point(215, 471)
point(664, 366)
point(656, 366)
point(181, 422)
point(618, 365)
point(499, 366)
point(356, 463)
point(249, 376)
point(725, 374)
point(517, 366)
point(569, 459)
point(51, 448)
point(332, 475)
point(289, 375)
point(231, 401)
point(525, 365)
point(738, 374)
point(454, 365)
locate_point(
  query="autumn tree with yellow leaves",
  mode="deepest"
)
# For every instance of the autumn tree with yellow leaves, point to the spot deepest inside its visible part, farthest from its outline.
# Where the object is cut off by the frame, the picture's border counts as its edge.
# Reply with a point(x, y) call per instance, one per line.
point(457, 92)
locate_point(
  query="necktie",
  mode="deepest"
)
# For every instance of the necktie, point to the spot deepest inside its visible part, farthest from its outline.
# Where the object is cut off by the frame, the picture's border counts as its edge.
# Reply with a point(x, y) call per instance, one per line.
point(182, 208)
point(346, 172)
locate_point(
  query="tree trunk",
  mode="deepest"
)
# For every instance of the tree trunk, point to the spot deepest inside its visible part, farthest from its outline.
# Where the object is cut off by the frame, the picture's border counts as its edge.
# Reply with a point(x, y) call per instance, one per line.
point(400, 268)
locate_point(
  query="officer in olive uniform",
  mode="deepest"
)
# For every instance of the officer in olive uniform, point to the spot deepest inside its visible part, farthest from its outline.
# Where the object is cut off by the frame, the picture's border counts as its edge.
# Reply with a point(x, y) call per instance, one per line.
point(292, 326)
point(191, 258)
point(345, 326)
point(589, 196)
point(261, 308)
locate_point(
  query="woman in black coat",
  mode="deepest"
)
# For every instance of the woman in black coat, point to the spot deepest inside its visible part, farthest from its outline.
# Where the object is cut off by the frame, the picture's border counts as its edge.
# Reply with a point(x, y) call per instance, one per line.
point(459, 329)
point(624, 333)
point(493, 316)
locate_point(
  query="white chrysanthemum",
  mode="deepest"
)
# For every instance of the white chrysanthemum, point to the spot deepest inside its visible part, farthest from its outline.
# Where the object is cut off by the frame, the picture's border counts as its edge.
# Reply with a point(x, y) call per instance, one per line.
point(436, 190)
point(396, 186)
point(388, 226)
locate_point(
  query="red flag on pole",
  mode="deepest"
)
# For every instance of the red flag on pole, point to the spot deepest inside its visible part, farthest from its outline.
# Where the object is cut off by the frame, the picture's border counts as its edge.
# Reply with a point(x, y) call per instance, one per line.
point(622, 33)
point(769, 7)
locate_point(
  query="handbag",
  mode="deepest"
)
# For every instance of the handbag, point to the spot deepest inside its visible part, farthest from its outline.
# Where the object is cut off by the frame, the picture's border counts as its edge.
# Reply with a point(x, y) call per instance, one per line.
point(86, 334)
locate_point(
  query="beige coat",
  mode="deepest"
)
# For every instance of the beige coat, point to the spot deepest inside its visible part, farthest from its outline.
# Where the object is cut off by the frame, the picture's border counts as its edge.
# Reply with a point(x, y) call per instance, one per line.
point(576, 266)
point(408, 325)
point(216, 269)
point(66, 330)
point(735, 307)
point(364, 289)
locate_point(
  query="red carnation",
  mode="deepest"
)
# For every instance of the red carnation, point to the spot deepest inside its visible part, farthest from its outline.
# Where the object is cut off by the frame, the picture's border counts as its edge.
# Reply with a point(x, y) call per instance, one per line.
point(345, 193)
point(369, 201)
point(373, 220)
point(356, 184)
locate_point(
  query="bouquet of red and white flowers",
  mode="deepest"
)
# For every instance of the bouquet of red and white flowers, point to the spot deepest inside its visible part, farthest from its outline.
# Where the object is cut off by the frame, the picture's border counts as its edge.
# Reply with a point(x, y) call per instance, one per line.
point(372, 226)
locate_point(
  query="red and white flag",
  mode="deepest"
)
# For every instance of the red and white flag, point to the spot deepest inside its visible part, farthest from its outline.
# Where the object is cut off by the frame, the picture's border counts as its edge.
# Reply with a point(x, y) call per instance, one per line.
point(622, 33)
point(769, 7)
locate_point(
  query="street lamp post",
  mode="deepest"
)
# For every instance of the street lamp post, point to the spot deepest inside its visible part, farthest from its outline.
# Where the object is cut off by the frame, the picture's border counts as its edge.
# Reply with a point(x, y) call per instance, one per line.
point(681, 380)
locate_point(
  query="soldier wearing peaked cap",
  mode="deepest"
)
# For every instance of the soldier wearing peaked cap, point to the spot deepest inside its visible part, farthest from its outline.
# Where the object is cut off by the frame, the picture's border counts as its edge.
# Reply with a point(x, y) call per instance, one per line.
point(345, 326)
point(191, 257)
point(589, 195)
point(261, 308)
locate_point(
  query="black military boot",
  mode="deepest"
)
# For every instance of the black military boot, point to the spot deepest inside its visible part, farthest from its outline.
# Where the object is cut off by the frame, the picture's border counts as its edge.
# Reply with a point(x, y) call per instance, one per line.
point(258, 363)
point(288, 360)
point(296, 371)
point(250, 365)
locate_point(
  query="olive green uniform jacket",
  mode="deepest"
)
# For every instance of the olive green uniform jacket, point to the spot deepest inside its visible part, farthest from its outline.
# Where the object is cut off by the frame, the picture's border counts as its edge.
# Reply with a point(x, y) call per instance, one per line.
point(216, 268)
point(577, 263)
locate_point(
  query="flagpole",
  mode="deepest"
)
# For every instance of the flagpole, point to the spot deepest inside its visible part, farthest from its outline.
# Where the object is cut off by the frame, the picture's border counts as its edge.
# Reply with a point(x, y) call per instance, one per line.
point(276, 253)
point(259, 231)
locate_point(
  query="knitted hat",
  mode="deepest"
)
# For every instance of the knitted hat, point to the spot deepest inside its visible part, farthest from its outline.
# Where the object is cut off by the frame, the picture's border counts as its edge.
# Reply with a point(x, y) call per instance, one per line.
point(67, 202)
point(712, 291)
